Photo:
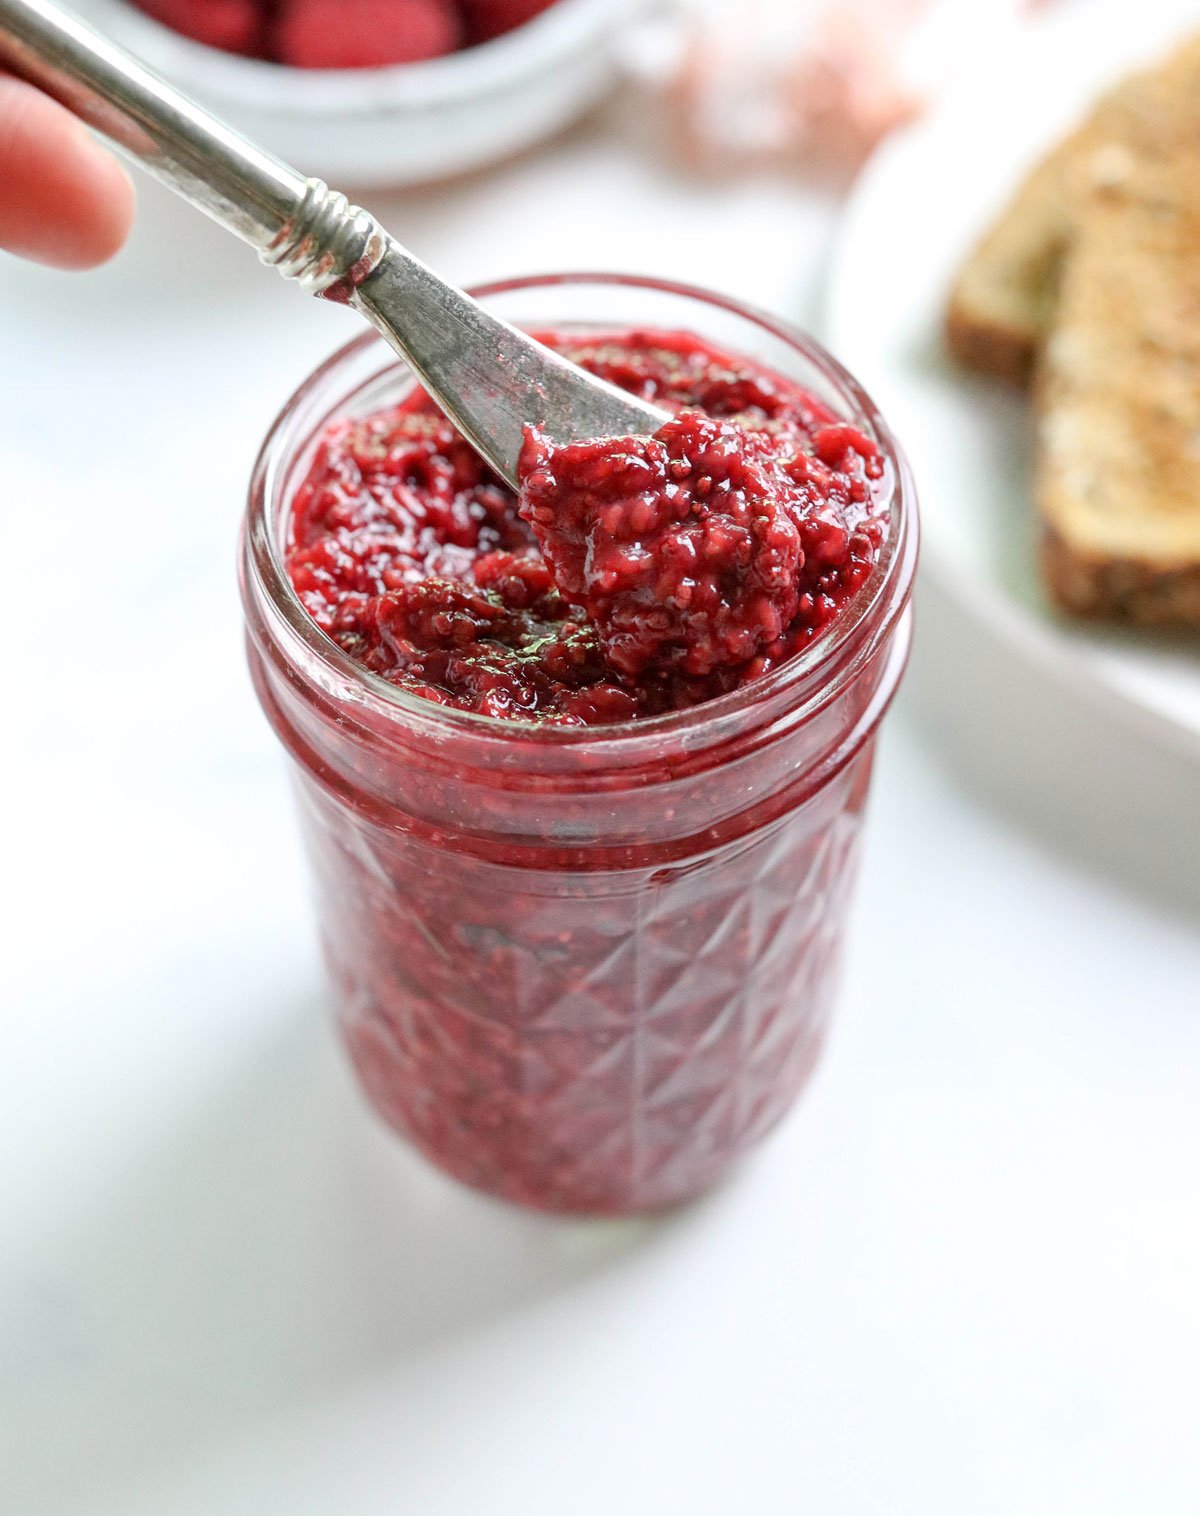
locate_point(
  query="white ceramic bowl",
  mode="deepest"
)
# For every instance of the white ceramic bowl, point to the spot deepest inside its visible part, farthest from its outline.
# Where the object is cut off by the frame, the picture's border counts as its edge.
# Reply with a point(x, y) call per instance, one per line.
point(406, 124)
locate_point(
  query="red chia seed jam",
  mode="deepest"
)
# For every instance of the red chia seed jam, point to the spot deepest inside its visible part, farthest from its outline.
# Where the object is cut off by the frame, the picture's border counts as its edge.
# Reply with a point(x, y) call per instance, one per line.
point(632, 576)
point(585, 951)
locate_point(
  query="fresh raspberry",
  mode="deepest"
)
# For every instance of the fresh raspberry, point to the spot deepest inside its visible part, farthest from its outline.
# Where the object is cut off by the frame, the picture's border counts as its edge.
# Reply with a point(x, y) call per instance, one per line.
point(235, 26)
point(492, 18)
point(365, 33)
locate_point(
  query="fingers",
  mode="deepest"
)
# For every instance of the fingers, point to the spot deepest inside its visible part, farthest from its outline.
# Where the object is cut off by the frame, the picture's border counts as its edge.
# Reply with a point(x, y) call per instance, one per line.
point(63, 199)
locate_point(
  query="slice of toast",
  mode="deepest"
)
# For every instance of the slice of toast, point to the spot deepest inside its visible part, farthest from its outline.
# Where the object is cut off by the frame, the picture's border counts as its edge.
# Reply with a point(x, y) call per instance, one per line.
point(1118, 384)
point(1002, 303)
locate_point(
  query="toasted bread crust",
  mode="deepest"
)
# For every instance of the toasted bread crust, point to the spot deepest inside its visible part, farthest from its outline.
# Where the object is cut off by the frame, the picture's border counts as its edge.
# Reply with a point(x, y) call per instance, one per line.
point(1100, 299)
point(1117, 391)
point(1121, 589)
point(1002, 350)
point(1003, 300)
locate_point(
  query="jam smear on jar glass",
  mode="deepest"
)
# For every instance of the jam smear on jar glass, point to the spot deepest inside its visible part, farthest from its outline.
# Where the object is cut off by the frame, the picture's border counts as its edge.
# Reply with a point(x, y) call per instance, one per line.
point(583, 770)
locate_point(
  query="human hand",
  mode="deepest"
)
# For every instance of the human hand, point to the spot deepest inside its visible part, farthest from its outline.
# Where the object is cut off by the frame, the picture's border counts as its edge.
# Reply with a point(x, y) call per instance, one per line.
point(64, 200)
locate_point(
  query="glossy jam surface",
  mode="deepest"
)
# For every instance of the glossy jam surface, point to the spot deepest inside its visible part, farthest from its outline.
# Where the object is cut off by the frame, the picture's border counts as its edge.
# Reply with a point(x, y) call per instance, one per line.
point(630, 578)
point(704, 550)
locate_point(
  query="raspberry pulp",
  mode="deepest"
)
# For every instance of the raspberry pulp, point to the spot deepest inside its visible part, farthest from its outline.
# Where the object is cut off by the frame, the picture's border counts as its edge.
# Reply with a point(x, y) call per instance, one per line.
point(701, 548)
point(632, 577)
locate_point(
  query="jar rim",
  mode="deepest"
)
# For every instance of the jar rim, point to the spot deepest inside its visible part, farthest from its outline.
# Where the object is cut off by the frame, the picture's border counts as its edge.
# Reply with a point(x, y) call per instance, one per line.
point(814, 674)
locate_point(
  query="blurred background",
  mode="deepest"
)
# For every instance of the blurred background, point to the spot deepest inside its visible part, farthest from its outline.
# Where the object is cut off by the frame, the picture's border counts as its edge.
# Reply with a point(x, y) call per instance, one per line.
point(963, 1275)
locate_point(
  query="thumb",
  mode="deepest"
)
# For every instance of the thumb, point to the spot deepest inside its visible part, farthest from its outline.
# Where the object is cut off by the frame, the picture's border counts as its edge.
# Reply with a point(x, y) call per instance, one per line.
point(63, 199)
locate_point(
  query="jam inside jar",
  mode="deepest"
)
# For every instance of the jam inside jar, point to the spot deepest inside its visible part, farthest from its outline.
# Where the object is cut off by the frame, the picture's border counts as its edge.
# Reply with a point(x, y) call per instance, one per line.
point(582, 967)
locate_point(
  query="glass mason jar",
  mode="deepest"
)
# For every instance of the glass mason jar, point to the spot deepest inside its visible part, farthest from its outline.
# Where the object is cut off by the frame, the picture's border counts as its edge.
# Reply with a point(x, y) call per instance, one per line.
point(582, 969)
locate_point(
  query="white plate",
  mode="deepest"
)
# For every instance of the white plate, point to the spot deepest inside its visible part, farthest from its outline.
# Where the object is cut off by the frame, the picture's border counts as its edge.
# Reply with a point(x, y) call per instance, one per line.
point(920, 204)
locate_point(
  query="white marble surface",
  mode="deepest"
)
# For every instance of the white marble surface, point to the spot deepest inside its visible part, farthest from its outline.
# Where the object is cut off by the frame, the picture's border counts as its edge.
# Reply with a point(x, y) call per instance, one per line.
point(963, 1278)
